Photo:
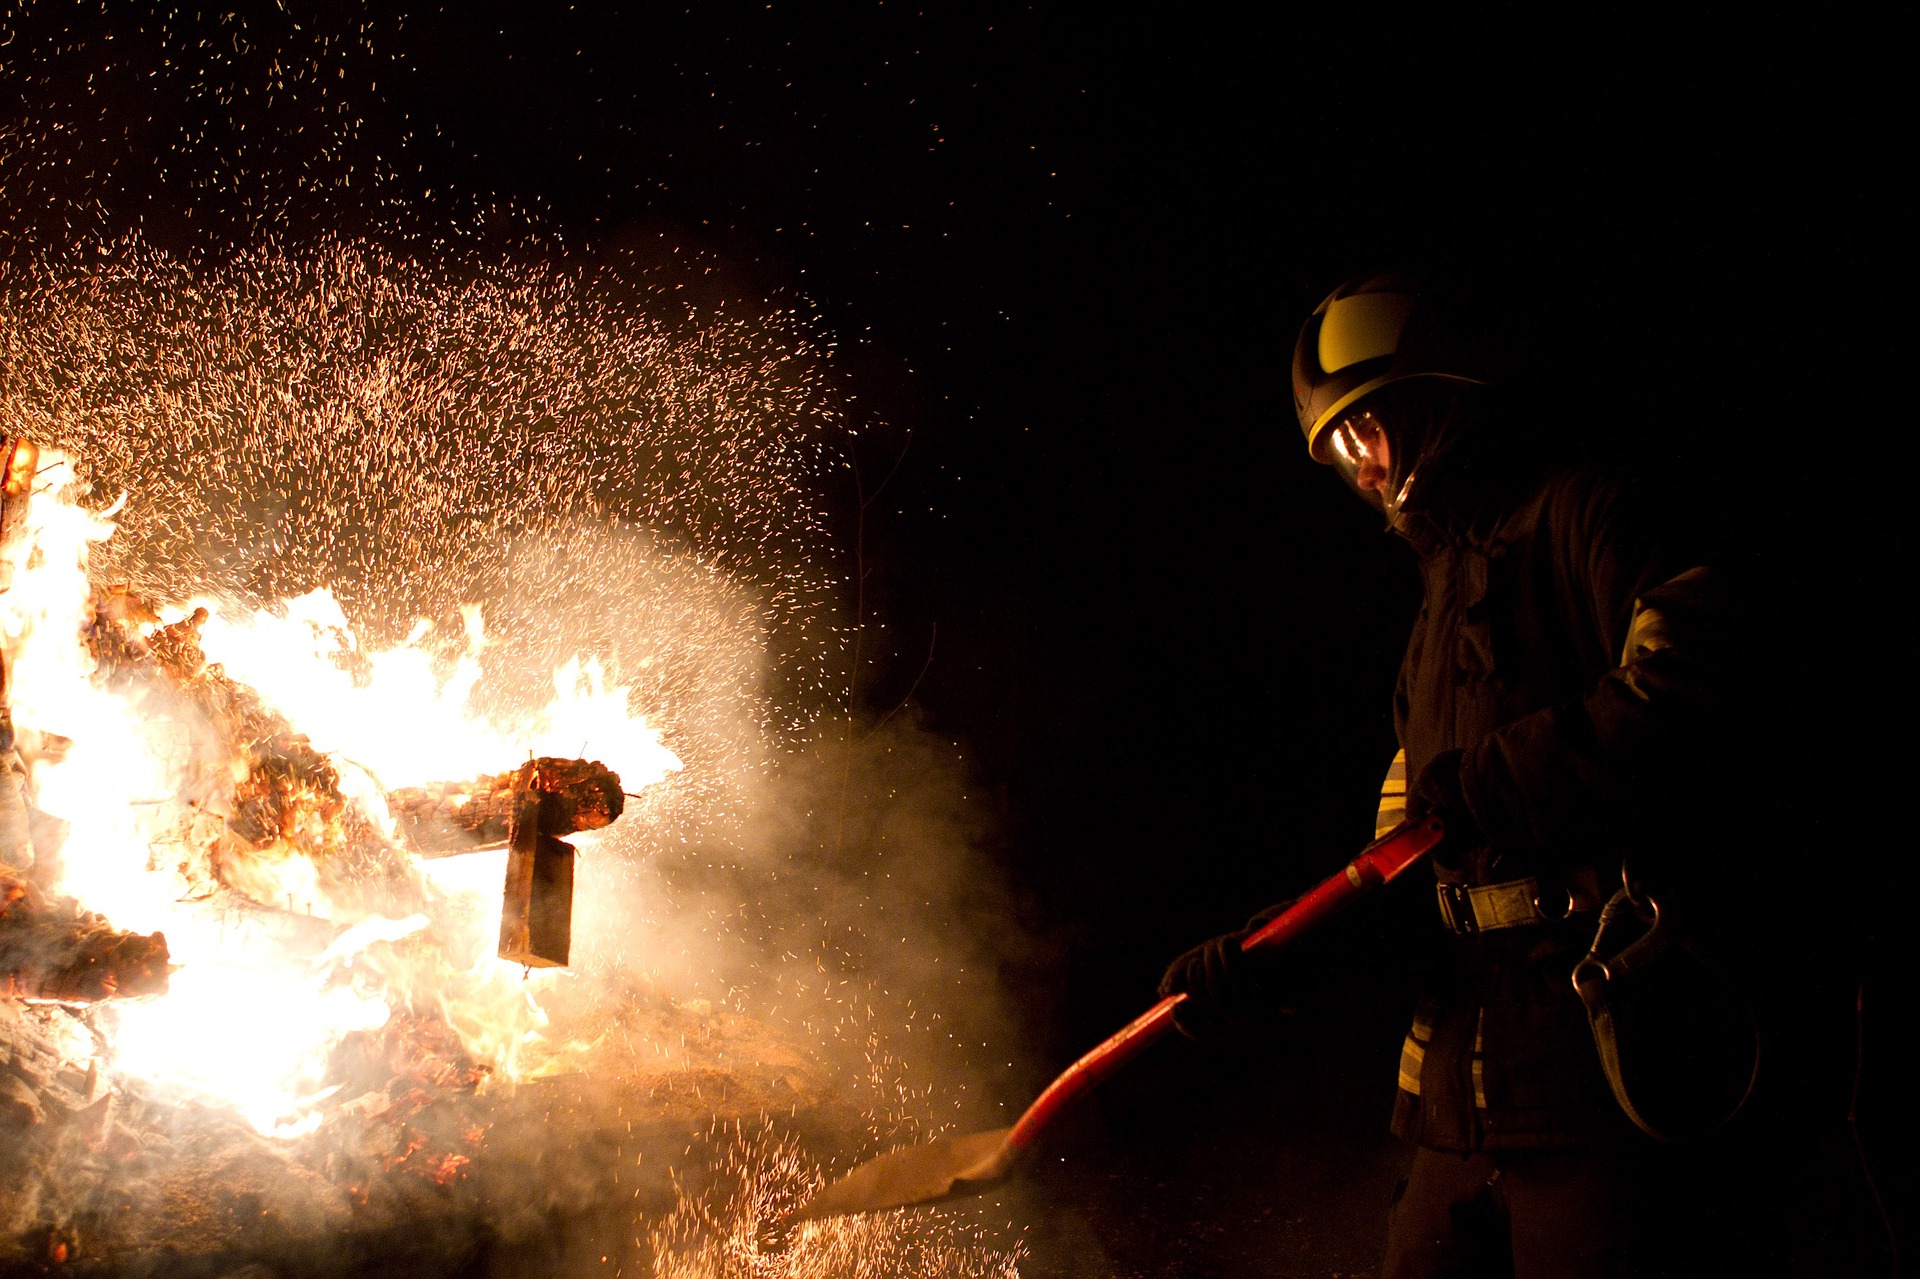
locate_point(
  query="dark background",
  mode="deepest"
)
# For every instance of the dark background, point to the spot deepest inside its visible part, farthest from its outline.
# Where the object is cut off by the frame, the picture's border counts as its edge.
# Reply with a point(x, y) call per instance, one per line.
point(1065, 250)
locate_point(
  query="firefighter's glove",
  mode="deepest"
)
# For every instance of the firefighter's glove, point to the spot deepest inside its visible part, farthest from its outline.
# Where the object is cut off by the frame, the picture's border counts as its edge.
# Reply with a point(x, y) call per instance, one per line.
point(1226, 988)
point(1436, 792)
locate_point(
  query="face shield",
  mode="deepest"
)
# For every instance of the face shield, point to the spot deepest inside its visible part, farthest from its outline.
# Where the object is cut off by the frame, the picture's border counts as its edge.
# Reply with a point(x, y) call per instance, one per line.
point(1364, 452)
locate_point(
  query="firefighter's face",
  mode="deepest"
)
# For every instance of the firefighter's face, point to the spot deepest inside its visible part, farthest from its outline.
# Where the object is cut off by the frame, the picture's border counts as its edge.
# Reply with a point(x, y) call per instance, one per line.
point(1365, 453)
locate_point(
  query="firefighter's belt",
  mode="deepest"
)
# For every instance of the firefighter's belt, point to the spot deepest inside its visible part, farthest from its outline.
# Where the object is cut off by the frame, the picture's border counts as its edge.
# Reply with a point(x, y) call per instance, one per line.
point(1486, 908)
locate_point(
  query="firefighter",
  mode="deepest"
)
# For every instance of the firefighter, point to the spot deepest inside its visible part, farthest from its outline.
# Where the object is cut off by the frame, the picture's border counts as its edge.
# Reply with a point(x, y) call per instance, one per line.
point(1559, 686)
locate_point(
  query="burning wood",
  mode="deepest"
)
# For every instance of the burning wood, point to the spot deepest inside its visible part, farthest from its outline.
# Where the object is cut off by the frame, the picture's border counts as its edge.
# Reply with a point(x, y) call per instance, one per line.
point(258, 772)
point(288, 794)
point(51, 949)
point(458, 817)
point(527, 809)
point(39, 1080)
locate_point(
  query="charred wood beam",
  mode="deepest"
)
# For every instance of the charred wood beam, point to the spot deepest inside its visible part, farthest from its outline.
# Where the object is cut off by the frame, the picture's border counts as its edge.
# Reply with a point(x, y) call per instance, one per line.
point(458, 817)
point(536, 910)
point(51, 949)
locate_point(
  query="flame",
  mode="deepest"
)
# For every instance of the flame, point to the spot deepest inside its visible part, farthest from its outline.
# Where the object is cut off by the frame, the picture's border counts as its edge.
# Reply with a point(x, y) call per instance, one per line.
point(252, 1017)
point(403, 721)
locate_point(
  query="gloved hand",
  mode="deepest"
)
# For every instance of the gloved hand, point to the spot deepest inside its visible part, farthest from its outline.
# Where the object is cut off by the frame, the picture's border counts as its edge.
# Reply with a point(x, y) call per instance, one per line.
point(1225, 987)
point(1436, 792)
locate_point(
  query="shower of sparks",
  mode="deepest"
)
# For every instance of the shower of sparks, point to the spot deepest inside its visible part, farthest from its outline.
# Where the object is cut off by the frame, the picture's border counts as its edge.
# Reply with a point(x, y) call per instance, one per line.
point(730, 1227)
point(419, 438)
point(250, 122)
point(281, 360)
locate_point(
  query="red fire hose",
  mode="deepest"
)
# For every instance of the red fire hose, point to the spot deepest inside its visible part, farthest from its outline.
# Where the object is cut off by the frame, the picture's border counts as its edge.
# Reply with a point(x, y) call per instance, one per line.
point(955, 1166)
point(1378, 863)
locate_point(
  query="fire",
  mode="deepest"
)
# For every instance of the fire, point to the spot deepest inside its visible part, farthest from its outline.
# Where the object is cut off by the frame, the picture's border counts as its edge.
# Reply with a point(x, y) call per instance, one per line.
point(608, 477)
point(272, 979)
point(403, 722)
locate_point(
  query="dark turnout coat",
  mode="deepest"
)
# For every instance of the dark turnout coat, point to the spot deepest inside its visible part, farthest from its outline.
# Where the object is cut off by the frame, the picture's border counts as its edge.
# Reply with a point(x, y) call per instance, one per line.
point(1568, 656)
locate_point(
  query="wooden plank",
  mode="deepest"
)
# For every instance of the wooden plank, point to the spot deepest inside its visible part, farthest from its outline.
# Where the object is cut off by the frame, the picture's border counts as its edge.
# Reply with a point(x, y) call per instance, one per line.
point(536, 911)
point(550, 921)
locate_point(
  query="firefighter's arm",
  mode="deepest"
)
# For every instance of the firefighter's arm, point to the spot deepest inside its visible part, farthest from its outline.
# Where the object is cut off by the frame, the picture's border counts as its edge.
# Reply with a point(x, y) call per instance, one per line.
point(1572, 781)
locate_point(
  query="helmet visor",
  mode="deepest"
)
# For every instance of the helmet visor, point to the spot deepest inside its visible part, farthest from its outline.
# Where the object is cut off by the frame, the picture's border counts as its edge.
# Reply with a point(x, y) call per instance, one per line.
point(1364, 453)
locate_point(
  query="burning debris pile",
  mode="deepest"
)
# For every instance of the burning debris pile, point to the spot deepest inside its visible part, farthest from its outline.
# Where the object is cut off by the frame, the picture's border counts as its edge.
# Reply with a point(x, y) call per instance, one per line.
point(291, 861)
point(408, 1075)
point(251, 799)
point(114, 1168)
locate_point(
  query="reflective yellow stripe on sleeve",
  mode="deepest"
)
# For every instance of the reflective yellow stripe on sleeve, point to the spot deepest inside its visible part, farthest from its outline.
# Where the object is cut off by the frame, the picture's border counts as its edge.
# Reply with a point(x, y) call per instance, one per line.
point(1413, 1053)
point(1393, 797)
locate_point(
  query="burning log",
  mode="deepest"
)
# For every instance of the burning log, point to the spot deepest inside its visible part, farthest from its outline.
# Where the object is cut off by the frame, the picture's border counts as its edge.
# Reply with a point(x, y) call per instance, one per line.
point(445, 818)
point(273, 788)
point(528, 810)
point(51, 949)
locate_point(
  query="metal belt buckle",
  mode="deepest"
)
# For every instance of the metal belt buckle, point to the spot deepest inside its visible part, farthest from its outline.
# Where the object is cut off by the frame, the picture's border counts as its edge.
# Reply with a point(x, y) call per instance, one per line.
point(1507, 905)
point(1456, 908)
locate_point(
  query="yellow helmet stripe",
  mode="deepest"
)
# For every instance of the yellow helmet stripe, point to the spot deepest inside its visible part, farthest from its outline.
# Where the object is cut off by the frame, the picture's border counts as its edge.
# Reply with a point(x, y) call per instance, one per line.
point(1363, 327)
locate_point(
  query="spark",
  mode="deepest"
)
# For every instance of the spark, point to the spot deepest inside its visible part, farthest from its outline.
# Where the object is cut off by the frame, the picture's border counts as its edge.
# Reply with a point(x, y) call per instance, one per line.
point(728, 1225)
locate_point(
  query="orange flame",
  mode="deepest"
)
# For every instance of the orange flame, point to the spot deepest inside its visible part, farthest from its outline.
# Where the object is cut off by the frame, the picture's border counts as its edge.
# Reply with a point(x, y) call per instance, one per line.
point(252, 1017)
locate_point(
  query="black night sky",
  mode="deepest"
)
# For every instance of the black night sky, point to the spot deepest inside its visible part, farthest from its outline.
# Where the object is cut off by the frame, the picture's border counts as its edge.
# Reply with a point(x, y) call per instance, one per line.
point(1064, 250)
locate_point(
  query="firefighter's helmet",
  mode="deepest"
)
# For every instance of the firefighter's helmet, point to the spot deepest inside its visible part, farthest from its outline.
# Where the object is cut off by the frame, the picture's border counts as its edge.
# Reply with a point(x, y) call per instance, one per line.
point(1371, 332)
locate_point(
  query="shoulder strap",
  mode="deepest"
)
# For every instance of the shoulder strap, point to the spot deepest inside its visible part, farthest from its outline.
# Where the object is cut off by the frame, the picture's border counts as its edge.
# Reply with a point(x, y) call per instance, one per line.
point(1594, 977)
